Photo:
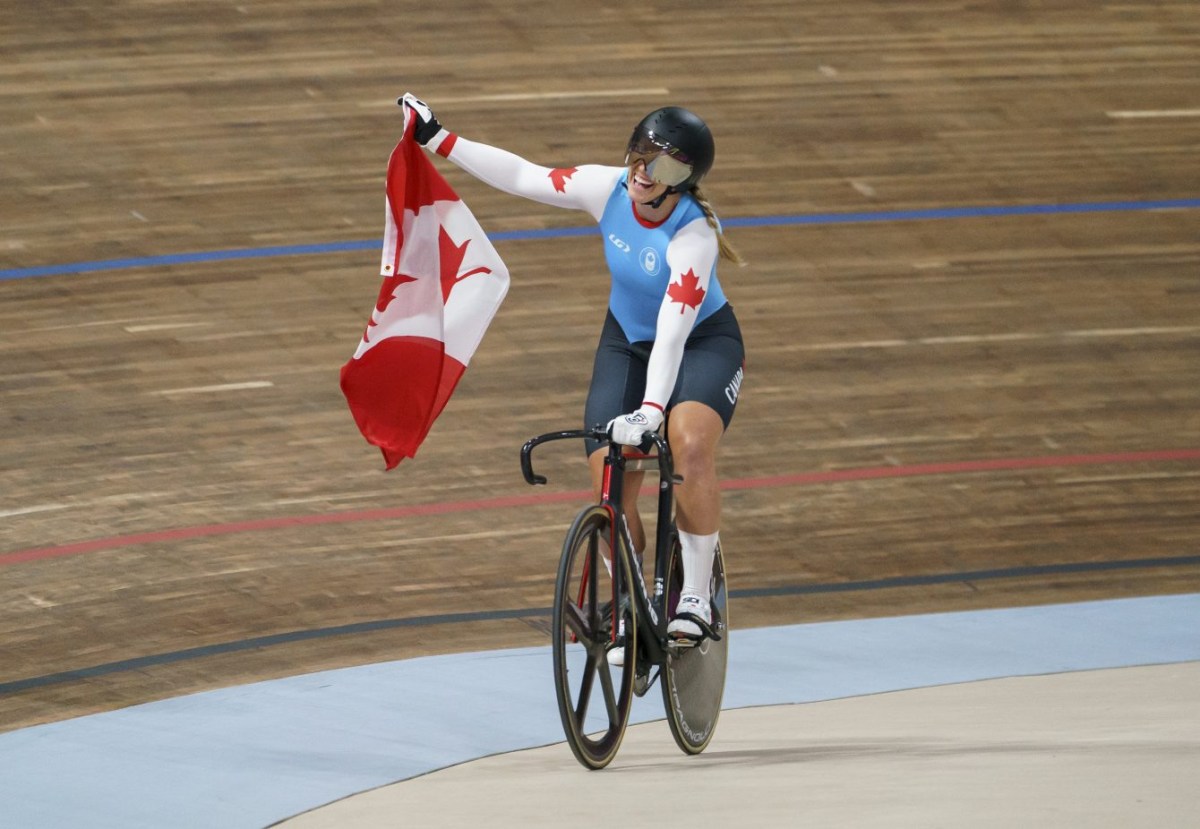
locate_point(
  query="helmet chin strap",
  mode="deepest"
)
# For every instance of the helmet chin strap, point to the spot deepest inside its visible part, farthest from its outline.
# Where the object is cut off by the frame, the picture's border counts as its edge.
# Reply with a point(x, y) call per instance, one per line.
point(655, 203)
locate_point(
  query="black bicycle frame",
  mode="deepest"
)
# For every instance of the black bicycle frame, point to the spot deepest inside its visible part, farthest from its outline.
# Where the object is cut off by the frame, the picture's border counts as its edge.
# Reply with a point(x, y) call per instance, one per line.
point(648, 606)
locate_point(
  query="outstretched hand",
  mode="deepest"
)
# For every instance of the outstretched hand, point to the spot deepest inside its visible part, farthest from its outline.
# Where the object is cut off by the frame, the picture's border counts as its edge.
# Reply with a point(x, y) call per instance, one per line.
point(427, 125)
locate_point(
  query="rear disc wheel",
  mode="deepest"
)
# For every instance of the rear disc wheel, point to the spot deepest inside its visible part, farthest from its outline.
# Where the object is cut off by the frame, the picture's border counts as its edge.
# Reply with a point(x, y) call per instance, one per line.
point(694, 676)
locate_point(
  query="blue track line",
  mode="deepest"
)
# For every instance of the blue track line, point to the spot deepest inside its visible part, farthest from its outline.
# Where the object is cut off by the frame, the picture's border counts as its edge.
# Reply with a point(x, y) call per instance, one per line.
point(933, 214)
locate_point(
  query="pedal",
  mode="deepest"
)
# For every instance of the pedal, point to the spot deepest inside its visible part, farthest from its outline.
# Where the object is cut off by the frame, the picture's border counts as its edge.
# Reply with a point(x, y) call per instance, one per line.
point(707, 631)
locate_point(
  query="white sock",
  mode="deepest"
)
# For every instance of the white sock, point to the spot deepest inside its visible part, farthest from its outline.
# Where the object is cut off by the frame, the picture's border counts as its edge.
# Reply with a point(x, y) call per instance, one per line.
point(698, 552)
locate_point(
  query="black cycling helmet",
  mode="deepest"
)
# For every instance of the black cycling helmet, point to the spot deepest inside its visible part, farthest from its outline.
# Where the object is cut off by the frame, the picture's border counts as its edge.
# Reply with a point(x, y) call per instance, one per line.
point(676, 145)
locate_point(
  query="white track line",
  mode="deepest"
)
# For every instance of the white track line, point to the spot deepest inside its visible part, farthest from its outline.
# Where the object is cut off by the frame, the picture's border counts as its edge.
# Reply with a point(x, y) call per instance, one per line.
point(98, 323)
point(973, 339)
point(252, 384)
point(1108, 479)
point(121, 499)
point(1132, 332)
point(163, 326)
point(1153, 113)
point(641, 92)
point(10, 513)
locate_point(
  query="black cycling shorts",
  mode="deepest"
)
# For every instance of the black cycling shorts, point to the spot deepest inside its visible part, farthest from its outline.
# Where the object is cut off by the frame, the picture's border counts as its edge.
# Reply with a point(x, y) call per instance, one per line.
point(711, 372)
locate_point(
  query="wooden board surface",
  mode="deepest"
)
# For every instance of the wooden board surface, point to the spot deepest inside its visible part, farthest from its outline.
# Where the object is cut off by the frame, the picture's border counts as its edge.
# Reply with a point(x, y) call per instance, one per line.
point(940, 412)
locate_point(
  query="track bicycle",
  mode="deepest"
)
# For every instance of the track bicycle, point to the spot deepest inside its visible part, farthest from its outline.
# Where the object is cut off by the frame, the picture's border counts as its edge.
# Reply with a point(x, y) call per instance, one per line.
point(602, 605)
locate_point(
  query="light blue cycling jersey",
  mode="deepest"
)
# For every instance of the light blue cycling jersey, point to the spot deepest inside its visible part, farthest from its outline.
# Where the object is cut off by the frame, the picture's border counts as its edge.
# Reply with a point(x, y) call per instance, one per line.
point(657, 295)
point(637, 258)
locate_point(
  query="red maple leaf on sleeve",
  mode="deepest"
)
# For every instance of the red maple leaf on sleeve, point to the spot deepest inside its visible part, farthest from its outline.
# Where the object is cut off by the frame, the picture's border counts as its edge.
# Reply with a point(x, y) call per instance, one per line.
point(687, 291)
point(559, 176)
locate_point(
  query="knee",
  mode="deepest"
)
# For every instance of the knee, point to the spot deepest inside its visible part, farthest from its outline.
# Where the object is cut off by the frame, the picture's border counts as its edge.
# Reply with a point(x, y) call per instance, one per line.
point(692, 454)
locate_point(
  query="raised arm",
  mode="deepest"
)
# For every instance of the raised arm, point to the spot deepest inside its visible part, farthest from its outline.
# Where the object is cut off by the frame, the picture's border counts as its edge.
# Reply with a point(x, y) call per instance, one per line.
point(584, 188)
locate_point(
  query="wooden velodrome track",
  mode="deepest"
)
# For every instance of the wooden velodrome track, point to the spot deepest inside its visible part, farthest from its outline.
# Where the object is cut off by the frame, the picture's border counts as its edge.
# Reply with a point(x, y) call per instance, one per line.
point(942, 411)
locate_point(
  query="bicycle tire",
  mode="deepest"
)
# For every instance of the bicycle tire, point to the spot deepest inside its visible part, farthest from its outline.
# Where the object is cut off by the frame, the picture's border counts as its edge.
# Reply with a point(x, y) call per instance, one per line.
point(694, 678)
point(582, 631)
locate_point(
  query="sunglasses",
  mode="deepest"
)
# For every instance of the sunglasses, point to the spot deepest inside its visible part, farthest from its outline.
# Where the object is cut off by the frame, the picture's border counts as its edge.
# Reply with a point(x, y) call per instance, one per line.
point(665, 164)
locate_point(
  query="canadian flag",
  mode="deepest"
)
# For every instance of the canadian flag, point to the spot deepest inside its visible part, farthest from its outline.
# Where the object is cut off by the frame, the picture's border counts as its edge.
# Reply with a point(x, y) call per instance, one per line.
point(442, 284)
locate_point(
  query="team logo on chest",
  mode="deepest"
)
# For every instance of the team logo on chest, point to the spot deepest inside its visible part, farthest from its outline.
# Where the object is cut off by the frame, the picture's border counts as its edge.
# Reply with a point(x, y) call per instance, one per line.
point(650, 261)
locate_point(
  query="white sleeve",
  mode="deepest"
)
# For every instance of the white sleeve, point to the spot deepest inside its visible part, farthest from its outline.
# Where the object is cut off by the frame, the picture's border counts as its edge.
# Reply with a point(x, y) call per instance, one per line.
point(584, 188)
point(691, 256)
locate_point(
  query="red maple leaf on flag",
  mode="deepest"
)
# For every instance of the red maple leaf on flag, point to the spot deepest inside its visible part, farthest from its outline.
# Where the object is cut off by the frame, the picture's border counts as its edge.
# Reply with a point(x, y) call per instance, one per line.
point(559, 176)
point(387, 293)
point(451, 256)
point(687, 292)
point(388, 290)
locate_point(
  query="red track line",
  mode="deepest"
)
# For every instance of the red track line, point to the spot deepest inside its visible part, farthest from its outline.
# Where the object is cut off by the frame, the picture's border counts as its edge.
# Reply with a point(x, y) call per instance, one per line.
point(960, 467)
point(183, 533)
point(503, 502)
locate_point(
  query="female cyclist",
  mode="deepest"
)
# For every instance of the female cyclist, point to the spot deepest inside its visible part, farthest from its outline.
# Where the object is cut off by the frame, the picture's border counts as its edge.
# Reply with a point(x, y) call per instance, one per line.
point(670, 347)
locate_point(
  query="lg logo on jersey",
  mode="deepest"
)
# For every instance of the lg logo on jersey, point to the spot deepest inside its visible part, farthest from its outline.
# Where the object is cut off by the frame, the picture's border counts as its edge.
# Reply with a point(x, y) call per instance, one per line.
point(621, 245)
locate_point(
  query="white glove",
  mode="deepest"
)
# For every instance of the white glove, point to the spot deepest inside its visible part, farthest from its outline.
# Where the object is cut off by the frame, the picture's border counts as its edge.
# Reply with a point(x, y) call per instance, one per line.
point(427, 125)
point(631, 429)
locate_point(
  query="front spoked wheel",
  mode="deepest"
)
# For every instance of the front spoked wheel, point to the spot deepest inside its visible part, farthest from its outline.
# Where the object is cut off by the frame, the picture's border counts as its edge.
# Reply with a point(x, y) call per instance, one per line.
point(594, 695)
point(694, 675)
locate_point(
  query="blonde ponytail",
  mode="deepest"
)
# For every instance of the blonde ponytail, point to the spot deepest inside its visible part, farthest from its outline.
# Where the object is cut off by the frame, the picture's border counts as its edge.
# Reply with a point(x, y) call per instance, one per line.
point(725, 250)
